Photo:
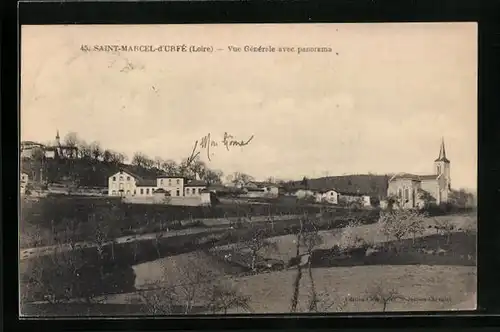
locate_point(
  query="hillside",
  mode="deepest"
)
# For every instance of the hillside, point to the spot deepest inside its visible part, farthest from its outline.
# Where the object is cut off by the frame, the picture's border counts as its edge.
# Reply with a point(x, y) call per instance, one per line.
point(373, 185)
point(81, 172)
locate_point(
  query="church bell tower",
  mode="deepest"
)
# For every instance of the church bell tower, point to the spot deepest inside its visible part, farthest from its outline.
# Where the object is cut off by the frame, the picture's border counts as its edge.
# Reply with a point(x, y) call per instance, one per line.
point(442, 164)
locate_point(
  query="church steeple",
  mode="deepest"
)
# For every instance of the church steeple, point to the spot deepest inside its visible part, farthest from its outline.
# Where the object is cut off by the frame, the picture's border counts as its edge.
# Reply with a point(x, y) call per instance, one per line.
point(58, 139)
point(442, 153)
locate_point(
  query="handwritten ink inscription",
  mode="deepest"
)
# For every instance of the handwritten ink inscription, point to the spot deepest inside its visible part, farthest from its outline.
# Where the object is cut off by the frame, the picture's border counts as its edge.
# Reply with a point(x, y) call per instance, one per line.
point(207, 143)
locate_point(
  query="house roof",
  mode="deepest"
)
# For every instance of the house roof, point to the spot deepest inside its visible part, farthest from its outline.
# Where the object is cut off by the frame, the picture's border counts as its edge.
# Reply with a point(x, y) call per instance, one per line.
point(169, 177)
point(322, 191)
point(347, 193)
point(146, 183)
point(196, 183)
point(264, 184)
point(140, 180)
point(254, 189)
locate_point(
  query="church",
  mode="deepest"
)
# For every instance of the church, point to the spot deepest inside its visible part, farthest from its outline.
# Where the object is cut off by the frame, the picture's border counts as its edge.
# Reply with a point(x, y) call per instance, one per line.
point(407, 187)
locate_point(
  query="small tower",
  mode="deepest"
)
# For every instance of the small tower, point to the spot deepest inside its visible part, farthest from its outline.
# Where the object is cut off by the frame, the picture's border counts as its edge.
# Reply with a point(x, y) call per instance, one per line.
point(58, 139)
point(442, 164)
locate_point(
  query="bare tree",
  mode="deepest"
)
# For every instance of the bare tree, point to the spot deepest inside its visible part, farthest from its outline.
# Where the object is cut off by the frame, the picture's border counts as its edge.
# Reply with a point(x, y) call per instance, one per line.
point(194, 282)
point(198, 168)
point(139, 159)
point(158, 162)
point(328, 304)
point(70, 233)
point(107, 156)
point(379, 293)
point(212, 176)
point(445, 227)
point(71, 141)
point(240, 179)
point(85, 150)
point(160, 301)
point(310, 239)
point(96, 150)
point(149, 163)
point(157, 243)
point(393, 227)
point(185, 169)
point(271, 179)
point(224, 297)
point(170, 167)
point(115, 157)
point(255, 243)
point(298, 277)
point(38, 155)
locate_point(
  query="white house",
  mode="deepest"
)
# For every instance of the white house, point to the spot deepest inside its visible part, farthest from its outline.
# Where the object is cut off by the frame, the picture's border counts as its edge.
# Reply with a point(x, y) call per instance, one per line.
point(261, 189)
point(127, 184)
point(194, 188)
point(303, 193)
point(122, 184)
point(327, 196)
point(23, 182)
point(174, 185)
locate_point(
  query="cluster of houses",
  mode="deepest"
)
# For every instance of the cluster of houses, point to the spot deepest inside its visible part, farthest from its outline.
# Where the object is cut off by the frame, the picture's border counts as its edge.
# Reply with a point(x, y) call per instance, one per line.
point(54, 150)
point(127, 184)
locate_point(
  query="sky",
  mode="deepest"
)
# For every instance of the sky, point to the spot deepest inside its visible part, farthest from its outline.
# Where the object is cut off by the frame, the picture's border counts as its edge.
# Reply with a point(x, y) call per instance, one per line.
point(380, 102)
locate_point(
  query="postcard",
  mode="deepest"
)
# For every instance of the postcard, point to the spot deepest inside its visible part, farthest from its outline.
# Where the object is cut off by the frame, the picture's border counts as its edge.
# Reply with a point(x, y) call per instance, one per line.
point(247, 169)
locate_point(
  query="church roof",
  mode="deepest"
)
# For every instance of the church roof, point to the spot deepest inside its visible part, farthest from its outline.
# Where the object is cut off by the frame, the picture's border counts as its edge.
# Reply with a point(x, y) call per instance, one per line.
point(442, 153)
point(414, 177)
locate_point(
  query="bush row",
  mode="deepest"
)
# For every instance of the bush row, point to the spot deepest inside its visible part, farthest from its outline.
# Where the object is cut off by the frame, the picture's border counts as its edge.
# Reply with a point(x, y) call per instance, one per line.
point(47, 221)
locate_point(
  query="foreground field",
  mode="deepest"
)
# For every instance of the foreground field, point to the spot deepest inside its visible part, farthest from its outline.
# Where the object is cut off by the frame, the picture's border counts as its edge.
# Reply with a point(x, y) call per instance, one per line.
point(347, 289)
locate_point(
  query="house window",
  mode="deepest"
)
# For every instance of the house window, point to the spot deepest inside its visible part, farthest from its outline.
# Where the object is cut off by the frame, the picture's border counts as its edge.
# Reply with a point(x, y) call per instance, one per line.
point(407, 194)
point(135, 191)
point(128, 178)
point(121, 186)
point(114, 192)
point(147, 191)
point(187, 191)
point(114, 178)
point(439, 169)
point(199, 190)
point(142, 191)
point(178, 181)
point(178, 193)
point(121, 178)
point(161, 181)
point(169, 182)
point(400, 193)
point(331, 194)
point(128, 192)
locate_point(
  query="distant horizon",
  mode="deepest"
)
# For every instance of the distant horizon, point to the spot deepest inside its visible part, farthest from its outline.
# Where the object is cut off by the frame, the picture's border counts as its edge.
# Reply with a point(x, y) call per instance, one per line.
point(380, 103)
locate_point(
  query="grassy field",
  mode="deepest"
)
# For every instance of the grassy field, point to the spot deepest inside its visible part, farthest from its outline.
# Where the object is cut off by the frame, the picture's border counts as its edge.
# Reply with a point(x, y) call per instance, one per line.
point(343, 288)
point(421, 281)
